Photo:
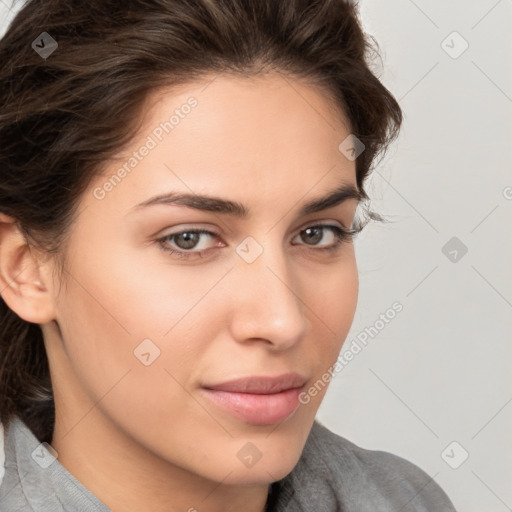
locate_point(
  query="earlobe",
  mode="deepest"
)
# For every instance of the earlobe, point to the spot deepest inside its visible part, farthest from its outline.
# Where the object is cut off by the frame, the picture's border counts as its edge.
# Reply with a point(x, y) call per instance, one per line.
point(23, 278)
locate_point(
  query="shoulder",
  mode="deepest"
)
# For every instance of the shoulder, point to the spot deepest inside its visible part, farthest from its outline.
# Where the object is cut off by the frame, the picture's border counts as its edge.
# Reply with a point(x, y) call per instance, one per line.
point(34, 480)
point(352, 478)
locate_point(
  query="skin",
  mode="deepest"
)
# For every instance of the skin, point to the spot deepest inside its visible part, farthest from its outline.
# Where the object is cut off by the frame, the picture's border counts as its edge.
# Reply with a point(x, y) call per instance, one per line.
point(144, 437)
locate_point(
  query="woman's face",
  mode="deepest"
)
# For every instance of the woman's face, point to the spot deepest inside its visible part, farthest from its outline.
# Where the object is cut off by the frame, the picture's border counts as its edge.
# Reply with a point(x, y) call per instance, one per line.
point(143, 331)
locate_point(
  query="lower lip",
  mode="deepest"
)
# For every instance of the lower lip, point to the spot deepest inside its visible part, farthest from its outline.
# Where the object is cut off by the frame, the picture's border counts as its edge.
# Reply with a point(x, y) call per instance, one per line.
point(257, 409)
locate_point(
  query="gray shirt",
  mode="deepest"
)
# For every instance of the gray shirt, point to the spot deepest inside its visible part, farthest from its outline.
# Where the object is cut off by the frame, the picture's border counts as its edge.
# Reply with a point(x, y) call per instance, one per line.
point(332, 475)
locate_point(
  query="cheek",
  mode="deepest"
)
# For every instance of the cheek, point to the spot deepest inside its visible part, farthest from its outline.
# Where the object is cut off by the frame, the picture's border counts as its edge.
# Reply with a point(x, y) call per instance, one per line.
point(117, 317)
point(332, 295)
point(119, 356)
point(333, 302)
point(153, 294)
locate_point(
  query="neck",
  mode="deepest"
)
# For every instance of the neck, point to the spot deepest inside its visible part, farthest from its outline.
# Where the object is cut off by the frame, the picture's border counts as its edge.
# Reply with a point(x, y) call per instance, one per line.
point(127, 477)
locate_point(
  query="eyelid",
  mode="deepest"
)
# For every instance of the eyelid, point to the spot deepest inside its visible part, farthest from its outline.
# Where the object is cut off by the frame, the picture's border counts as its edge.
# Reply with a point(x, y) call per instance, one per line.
point(319, 222)
point(212, 231)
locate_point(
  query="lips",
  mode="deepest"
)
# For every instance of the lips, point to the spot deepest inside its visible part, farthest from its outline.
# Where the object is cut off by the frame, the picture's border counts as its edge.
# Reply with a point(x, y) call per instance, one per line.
point(258, 400)
point(261, 385)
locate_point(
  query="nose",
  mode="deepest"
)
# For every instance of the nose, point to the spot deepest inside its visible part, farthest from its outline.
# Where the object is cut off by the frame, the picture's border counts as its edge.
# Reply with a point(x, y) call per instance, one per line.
point(267, 304)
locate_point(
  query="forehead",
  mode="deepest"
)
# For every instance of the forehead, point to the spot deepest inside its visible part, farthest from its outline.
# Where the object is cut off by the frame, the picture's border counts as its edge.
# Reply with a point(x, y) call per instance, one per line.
point(265, 134)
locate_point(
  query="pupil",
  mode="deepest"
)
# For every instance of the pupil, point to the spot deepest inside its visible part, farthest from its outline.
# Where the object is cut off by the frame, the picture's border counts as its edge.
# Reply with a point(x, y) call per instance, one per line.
point(190, 240)
point(317, 234)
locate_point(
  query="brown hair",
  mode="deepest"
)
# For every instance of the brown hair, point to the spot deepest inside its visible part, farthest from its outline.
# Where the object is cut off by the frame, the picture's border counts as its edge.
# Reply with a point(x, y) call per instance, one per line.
point(63, 116)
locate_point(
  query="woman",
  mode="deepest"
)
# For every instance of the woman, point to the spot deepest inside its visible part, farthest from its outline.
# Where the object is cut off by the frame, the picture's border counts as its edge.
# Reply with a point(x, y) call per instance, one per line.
point(178, 195)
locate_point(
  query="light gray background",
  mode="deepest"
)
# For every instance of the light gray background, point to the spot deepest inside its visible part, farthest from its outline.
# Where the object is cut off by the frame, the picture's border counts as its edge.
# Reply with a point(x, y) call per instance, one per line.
point(438, 372)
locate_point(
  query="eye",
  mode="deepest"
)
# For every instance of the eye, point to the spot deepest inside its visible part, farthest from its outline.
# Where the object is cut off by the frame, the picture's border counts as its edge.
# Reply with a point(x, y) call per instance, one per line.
point(185, 241)
point(194, 242)
point(313, 235)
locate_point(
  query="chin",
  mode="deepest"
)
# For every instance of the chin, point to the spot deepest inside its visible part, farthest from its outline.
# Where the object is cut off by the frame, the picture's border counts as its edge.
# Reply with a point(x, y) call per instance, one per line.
point(261, 473)
point(262, 466)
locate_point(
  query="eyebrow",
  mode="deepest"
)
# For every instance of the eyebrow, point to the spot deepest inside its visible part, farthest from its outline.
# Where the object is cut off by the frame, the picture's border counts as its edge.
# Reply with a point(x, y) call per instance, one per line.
point(218, 205)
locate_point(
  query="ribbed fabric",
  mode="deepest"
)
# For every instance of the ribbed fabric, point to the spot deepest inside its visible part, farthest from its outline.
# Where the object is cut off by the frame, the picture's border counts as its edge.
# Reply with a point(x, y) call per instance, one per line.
point(332, 475)
point(335, 475)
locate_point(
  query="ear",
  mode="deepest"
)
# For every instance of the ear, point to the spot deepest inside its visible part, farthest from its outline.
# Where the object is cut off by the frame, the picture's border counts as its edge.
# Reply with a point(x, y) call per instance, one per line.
point(25, 284)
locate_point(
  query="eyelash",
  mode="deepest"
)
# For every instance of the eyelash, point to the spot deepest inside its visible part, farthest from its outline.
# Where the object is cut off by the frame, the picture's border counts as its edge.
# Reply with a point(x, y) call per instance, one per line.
point(342, 236)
